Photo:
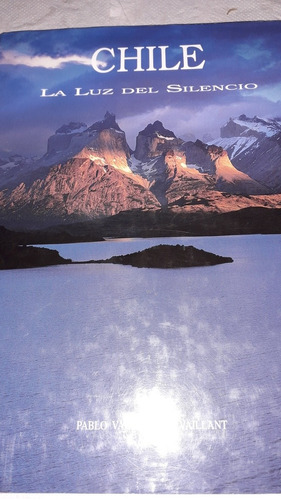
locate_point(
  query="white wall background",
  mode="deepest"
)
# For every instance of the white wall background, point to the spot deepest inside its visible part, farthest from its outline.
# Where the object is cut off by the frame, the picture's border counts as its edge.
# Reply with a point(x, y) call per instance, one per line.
point(19, 15)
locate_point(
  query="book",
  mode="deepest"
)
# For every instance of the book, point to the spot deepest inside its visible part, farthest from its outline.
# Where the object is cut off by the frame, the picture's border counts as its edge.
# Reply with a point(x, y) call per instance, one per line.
point(140, 202)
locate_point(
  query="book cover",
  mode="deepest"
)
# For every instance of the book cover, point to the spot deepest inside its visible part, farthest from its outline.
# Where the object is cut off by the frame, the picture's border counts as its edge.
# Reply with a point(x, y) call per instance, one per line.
point(140, 202)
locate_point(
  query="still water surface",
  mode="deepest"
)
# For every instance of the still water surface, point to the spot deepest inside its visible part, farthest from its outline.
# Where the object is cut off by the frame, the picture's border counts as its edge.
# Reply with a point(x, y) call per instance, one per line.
point(178, 370)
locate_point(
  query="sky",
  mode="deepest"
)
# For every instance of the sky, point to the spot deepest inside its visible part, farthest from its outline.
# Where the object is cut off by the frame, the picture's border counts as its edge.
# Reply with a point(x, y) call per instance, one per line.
point(61, 61)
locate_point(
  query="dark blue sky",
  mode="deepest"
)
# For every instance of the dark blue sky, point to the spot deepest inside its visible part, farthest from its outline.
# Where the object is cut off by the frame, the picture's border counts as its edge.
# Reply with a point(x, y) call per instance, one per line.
point(61, 60)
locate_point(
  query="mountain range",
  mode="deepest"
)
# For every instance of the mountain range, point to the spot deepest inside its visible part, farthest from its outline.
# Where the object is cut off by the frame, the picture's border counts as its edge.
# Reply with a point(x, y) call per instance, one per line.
point(253, 145)
point(91, 172)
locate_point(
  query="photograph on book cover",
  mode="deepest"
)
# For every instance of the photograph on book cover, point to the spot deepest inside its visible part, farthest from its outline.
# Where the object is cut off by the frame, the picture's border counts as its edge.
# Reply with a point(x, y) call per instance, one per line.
point(140, 202)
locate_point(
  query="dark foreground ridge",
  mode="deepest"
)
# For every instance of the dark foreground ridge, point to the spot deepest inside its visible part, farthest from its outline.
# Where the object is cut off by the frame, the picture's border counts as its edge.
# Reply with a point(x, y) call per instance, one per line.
point(168, 256)
point(22, 257)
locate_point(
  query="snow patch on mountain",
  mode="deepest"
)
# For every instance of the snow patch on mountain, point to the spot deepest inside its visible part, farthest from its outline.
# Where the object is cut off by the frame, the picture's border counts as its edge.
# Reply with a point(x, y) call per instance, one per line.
point(147, 169)
point(236, 146)
point(254, 147)
point(164, 137)
point(72, 128)
point(268, 127)
point(243, 126)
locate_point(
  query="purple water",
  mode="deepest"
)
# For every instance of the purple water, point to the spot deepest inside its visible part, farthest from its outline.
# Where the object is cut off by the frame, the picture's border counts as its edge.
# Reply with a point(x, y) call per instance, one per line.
point(164, 350)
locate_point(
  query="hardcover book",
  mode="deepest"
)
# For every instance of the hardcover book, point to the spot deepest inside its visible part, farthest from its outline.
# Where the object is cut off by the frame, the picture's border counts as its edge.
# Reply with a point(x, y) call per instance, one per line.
point(140, 202)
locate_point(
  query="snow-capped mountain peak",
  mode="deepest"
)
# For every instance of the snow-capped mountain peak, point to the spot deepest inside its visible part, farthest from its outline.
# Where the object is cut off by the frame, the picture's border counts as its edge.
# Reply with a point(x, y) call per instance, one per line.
point(245, 126)
point(253, 146)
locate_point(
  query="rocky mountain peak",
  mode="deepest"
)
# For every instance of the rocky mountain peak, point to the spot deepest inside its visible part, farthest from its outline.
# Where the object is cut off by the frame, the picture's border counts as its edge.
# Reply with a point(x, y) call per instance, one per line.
point(70, 139)
point(108, 147)
point(243, 126)
point(215, 152)
point(253, 146)
point(228, 178)
point(157, 129)
point(91, 171)
point(232, 129)
point(155, 140)
point(108, 122)
point(61, 145)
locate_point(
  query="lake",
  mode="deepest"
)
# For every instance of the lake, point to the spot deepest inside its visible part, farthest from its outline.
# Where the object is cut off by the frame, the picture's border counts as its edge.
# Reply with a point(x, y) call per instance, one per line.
point(123, 380)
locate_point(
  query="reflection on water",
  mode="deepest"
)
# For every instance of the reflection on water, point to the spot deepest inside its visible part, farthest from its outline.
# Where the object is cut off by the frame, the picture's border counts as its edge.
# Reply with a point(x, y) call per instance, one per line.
point(154, 422)
point(116, 379)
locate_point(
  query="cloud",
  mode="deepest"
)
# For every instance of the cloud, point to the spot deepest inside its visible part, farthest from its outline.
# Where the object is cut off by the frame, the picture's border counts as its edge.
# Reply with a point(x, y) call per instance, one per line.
point(198, 118)
point(14, 58)
point(254, 50)
point(271, 93)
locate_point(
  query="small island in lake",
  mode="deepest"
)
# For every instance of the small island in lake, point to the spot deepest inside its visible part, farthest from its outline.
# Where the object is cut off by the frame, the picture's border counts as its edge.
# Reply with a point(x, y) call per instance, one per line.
point(167, 257)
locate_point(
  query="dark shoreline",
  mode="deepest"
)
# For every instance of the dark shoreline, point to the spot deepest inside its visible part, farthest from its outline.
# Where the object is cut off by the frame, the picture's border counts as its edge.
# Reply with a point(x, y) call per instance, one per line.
point(28, 257)
point(14, 253)
point(147, 224)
